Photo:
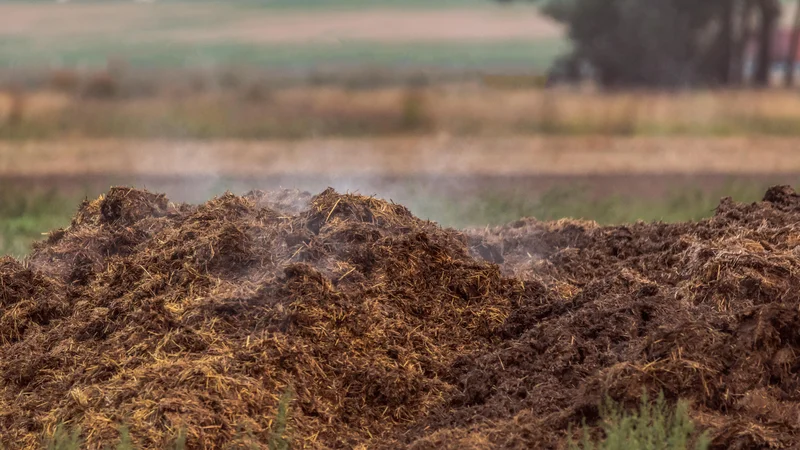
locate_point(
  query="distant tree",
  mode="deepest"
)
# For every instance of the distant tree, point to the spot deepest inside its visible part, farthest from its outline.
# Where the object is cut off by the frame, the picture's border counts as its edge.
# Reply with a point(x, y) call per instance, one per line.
point(769, 15)
point(668, 43)
point(791, 57)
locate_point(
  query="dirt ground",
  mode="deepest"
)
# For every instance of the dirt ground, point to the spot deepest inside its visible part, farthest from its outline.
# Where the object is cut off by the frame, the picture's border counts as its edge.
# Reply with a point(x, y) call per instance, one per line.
point(404, 157)
point(210, 22)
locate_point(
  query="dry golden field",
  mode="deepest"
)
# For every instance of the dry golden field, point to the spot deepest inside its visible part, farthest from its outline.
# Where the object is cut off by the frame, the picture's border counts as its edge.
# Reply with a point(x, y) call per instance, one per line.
point(253, 111)
point(411, 156)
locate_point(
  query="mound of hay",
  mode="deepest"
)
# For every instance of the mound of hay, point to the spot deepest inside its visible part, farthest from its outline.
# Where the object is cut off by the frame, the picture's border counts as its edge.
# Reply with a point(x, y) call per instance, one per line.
point(706, 311)
point(390, 332)
point(166, 317)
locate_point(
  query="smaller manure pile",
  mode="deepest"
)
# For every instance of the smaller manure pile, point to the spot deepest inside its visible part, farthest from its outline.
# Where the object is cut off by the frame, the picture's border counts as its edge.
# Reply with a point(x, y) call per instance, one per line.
point(386, 331)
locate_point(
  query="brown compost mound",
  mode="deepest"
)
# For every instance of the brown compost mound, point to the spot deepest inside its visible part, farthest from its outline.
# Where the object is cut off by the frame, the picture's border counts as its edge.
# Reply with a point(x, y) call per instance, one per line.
point(391, 332)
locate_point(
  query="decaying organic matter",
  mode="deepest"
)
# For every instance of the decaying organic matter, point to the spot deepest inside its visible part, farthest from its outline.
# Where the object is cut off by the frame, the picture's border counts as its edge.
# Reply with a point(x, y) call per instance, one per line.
point(391, 332)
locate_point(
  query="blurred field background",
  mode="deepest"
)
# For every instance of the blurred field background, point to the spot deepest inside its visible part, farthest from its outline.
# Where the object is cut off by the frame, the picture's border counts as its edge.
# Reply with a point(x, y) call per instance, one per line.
point(440, 106)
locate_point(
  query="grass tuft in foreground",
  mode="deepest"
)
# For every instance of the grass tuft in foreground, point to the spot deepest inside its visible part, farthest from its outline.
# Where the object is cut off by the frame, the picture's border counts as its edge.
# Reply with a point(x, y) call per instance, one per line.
point(655, 426)
point(70, 439)
point(64, 439)
point(278, 439)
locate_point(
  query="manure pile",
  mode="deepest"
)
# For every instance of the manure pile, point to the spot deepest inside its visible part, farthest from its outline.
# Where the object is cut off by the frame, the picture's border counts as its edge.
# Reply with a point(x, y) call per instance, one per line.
point(391, 332)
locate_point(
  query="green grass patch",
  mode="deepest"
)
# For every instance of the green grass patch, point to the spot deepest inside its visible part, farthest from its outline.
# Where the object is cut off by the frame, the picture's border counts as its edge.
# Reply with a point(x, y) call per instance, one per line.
point(278, 439)
point(85, 52)
point(26, 215)
point(654, 426)
point(497, 208)
point(64, 439)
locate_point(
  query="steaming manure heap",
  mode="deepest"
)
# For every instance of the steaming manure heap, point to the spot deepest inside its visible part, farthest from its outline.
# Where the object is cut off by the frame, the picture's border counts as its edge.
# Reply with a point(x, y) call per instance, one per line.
point(391, 332)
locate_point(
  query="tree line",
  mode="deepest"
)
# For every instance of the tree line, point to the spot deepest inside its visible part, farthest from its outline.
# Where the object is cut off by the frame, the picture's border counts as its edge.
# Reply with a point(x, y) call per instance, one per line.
point(675, 43)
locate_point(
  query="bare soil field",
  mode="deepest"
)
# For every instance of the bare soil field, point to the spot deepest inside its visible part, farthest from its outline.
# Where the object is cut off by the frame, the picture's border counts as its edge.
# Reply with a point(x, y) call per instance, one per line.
point(220, 22)
point(380, 26)
point(429, 156)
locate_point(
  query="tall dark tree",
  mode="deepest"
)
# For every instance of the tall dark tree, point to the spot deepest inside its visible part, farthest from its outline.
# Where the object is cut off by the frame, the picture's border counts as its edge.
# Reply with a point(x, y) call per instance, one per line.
point(743, 37)
point(726, 43)
point(769, 15)
point(668, 43)
point(791, 57)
